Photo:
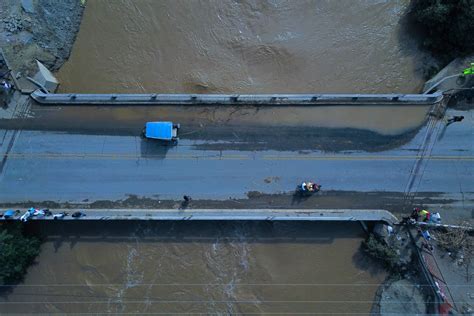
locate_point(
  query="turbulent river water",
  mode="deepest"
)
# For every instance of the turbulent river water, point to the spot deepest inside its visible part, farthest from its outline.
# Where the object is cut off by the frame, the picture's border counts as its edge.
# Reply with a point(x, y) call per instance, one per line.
point(199, 267)
point(249, 46)
point(225, 46)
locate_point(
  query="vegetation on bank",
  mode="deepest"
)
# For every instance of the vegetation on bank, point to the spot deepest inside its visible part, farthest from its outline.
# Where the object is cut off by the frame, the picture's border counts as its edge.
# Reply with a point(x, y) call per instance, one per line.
point(17, 252)
point(446, 26)
point(382, 252)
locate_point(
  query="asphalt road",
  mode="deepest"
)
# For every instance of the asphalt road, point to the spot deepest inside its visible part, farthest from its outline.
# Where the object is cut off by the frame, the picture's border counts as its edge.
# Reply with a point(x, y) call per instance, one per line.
point(45, 165)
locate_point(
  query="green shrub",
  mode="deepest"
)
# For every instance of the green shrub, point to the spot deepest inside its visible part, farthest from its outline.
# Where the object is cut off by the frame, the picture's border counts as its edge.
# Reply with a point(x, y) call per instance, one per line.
point(17, 252)
point(447, 26)
point(380, 251)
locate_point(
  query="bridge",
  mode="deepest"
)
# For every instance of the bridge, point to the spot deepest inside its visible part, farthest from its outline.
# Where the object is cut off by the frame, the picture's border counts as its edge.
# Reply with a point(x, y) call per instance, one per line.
point(84, 148)
point(235, 99)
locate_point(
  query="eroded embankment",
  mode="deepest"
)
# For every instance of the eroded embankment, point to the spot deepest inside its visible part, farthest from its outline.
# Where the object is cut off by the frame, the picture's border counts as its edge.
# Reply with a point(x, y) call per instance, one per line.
point(38, 29)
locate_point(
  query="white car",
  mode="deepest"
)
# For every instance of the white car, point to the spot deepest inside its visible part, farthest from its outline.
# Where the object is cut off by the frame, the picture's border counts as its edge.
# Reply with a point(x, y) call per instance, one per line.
point(59, 215)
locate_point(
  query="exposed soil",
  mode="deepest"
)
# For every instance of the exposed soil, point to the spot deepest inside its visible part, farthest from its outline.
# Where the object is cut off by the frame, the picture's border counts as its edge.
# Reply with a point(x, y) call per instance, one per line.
point(38, 29)
point(400, 296)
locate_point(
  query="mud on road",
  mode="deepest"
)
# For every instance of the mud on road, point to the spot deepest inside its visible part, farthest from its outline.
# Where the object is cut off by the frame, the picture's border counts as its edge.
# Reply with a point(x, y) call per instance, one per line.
point(327, 128)
point(391, 201)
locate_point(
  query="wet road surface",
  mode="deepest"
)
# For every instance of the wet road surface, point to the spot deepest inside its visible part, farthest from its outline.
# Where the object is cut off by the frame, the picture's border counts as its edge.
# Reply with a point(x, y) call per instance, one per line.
point(71, 167)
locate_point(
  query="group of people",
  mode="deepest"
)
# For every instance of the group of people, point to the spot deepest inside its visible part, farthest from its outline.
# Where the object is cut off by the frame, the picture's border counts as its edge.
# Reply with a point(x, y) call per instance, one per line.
point(425, 216)
point(310, 187)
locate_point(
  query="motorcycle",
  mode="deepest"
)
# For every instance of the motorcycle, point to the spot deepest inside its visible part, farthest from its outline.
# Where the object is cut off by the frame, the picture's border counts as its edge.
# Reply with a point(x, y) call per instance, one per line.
point(308, 188)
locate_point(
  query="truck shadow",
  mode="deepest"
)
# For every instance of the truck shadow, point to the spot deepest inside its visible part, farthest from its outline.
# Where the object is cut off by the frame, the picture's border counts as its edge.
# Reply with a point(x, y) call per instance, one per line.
point(154, 149)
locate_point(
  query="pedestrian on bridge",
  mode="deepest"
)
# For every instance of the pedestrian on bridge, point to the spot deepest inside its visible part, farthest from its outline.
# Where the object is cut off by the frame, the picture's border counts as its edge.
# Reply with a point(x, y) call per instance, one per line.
point(186, 200)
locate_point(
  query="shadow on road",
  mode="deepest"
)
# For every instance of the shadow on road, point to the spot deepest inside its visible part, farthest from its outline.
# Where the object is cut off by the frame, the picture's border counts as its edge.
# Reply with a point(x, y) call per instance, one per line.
point(154, 149)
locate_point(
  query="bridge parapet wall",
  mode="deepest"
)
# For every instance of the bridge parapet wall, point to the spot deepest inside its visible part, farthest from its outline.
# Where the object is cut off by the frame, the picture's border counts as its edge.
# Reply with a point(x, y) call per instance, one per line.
point(235, 99)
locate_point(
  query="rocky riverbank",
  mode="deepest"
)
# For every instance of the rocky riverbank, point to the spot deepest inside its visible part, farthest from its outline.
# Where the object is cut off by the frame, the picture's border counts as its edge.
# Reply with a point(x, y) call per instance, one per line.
point(38, 29)
point(404, 291)
point(402, 296)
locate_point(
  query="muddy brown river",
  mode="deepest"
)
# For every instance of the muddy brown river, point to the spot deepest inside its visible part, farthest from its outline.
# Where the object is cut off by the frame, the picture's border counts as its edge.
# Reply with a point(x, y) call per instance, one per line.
point(199, 267)
point(250, 46)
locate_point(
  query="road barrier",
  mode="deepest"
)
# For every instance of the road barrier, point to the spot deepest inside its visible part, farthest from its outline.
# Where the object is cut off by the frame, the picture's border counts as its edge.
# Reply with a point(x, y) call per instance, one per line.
point(235, 99)
point(354, 215)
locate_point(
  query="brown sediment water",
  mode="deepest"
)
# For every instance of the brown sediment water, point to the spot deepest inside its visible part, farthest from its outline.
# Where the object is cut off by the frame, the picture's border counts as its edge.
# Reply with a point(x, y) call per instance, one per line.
point(251, 46)
point(206, 267)
point(385, 120)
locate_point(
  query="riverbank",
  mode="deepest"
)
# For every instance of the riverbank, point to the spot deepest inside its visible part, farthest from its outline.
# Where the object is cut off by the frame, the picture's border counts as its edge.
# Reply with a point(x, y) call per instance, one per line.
point(38, 30)
point(399, 296)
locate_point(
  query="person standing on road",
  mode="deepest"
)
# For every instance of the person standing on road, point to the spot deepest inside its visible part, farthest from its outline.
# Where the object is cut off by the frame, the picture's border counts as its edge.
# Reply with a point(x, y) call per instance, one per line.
point(6, 88)
point(454, 119)
point(186, 200)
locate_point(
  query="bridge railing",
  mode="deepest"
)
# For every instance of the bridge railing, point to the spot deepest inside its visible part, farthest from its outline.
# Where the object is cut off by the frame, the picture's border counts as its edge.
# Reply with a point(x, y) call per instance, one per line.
point(233, 99)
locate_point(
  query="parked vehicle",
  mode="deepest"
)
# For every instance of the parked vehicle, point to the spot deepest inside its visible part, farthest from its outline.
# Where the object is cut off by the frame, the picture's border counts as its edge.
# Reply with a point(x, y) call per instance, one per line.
point(163, 131)
point(78, 214)
point(39, 213)
point(10, 214)
point(28, 214)
point(60, 215)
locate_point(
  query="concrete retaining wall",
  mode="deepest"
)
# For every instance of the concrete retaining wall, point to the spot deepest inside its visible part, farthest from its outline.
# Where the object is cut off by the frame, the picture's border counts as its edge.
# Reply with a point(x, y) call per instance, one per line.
point(229, 215)
point(229, 99)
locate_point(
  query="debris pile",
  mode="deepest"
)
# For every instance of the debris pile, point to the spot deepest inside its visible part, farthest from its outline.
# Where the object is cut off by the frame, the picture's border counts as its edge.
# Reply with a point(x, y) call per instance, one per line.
point(459, 246)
